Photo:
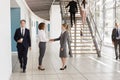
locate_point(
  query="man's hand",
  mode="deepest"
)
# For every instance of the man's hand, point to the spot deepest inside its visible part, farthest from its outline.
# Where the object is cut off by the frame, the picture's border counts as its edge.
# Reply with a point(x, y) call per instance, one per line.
point(20, 41)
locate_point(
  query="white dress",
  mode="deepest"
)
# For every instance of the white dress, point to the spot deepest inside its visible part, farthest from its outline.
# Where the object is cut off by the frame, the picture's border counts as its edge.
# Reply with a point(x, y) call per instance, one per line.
point(84, 9)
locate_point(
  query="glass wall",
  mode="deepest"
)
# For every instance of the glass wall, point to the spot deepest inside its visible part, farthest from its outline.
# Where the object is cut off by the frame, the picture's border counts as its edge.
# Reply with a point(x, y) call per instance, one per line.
point(117, 10)
point(103, 12)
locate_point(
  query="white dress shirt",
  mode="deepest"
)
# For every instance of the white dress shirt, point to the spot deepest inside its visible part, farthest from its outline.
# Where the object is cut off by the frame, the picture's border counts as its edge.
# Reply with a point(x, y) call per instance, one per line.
point(42, 36)
point(23, 31)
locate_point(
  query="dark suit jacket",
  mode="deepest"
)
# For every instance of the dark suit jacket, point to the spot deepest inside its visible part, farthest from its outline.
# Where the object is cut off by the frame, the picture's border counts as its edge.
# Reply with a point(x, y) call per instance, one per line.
point(114, 34)
point(63, 39)
point(73, 6)
point(26, 38)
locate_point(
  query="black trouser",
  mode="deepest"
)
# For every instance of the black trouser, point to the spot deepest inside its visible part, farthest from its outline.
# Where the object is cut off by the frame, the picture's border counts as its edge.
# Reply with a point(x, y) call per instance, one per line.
point(72, 18)
point(116, 44)
point(22, 56)
point(42, 48)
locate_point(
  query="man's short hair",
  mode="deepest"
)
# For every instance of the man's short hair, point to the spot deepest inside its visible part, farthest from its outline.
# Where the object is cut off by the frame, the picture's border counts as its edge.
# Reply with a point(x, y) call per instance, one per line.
point(22, 21)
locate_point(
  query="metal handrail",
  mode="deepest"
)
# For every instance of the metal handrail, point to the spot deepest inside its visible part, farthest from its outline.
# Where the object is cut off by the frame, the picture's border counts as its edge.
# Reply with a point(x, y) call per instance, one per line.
point(95, 25)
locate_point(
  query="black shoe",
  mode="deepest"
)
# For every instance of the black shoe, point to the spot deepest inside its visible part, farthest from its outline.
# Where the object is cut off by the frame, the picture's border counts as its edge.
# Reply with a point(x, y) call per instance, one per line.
point(63, 68)
point(42, 69)
point(24, 71)
point(81, 33)
point(116, 58)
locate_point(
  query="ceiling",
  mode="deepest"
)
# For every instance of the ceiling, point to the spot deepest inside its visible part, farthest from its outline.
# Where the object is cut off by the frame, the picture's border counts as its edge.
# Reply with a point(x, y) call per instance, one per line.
point(13, 4)
point(40, 7)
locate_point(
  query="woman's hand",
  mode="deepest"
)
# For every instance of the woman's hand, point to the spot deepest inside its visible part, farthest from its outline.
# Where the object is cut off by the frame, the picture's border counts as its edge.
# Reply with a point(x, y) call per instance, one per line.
point(51, 40)
point(113, 43)
point(62, 49)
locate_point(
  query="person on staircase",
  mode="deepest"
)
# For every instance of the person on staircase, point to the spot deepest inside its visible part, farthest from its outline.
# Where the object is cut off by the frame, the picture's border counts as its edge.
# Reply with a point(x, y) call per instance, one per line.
point(116, 40)
point(73, 9)
point(83, 11)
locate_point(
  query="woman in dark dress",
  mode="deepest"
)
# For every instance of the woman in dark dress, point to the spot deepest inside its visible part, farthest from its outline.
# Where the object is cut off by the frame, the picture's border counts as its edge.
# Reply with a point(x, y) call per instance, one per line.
point(63, 45)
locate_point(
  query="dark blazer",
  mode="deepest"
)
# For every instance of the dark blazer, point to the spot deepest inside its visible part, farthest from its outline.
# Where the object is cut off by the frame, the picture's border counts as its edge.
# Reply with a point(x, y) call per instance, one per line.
point(26, 38)
point(63, 39)
point(73, 6)
point(114, 34)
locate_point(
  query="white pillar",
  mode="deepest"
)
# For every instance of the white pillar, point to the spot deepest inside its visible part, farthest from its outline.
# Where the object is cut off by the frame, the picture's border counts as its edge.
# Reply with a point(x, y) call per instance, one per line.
point(55, 21)
point(5, 40)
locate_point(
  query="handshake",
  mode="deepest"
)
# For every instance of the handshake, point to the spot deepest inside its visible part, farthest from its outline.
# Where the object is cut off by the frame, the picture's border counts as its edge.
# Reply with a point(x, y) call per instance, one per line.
point(51, 40)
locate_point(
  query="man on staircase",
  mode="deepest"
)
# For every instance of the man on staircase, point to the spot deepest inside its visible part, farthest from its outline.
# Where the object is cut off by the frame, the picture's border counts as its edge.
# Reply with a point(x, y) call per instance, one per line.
point(73, 9)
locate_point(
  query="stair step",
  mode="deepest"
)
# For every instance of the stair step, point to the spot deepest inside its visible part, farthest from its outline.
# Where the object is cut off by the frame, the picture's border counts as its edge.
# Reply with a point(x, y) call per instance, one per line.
point(84, 52)
point(81, 38)
point(83, 42)
point(78, 32)
point(78, 29)
point(78, 39)
point(77, 18)
point(90, 44)
point(84, 48)
point(78, 35)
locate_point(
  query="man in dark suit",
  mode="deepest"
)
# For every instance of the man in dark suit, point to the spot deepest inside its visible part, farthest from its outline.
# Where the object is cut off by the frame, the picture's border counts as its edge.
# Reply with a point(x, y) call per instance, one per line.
point(22, 37)
point(73, 9)
point(116, 39)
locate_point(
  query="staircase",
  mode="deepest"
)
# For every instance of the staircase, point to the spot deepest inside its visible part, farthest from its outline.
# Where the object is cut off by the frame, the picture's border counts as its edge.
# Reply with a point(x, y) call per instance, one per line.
point(79, 44)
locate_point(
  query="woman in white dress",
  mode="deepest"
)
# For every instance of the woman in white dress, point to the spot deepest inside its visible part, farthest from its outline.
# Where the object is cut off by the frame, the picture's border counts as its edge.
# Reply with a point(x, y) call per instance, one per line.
point(84, 8)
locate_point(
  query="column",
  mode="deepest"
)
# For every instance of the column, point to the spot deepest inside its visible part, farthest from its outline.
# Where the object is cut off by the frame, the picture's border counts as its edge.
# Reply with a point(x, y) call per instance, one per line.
point(5, 40)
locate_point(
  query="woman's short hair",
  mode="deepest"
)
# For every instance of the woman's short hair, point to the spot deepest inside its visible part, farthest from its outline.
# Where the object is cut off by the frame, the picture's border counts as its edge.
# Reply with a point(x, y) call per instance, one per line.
point(41, 26)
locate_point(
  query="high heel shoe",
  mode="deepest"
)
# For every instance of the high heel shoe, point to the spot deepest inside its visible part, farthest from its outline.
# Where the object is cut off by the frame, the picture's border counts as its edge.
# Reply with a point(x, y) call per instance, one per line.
point(42, 69)
point(63, 68)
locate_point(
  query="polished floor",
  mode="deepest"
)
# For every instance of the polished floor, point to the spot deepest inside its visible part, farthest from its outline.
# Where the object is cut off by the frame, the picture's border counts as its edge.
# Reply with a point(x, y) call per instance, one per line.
point(80, 67)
